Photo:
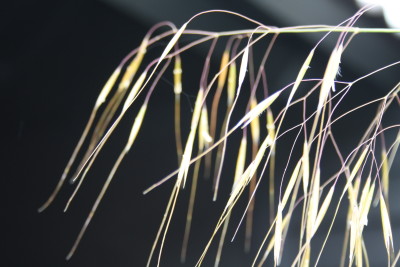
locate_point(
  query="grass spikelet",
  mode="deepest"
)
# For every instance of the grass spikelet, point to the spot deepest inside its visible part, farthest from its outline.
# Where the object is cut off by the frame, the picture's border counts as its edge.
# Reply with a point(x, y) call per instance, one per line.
point(243, 69)
point(365, 201)
point(184, 167)
point(323, 209)
point(278, 235)
point(291, 184)
point(255, 125)
point(223, 69)
point(177, 72)
point(385, 175)
point(249, 172)
point(231, 83)
point(358, 165)
point(204, 133)
point(240, 164)
point(255, 137)
point(331, 71)
point(306, 166)
point(301, 75)
point(354, 222)
point(257, 110)
point(386, 227)
point(171, 43)
point(132, 68)
point(271, 132)
point(177, 75)
point(241, 160)
point(107, 88)
point(135, 89)
point(136, 126)
point(313, 207)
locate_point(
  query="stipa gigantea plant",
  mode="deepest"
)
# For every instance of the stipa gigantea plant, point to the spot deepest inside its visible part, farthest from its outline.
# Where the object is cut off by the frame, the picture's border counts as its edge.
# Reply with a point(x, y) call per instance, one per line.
point(303, 185)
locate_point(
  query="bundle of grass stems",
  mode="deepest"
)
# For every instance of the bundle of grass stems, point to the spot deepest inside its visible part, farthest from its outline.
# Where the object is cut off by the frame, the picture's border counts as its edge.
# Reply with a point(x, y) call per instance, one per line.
point(361, 180)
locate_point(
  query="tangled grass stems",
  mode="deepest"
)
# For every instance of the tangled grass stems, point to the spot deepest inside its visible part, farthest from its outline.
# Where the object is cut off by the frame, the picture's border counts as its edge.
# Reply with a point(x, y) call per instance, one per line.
point(124, 87)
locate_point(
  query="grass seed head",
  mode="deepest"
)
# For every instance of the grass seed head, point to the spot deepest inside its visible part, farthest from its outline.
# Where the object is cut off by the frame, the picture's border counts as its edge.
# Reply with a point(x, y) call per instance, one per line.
point(331, 71)
point(386, 227)
point(135, 89)
point(223, 69)
point(257, 110)
point(301, 75)
point(136, 127)
point(177, 75)
point(107, 87)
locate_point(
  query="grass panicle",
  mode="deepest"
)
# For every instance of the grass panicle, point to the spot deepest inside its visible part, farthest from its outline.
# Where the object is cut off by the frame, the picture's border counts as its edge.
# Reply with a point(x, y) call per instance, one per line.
point(311, 108)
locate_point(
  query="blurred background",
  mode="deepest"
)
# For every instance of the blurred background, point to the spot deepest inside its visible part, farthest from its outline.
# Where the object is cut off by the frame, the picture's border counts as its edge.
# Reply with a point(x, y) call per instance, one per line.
point(55, 57)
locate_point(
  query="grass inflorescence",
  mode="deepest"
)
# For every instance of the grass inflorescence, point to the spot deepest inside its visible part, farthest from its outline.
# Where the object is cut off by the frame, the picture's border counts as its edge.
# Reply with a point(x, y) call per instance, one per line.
point(361, 179)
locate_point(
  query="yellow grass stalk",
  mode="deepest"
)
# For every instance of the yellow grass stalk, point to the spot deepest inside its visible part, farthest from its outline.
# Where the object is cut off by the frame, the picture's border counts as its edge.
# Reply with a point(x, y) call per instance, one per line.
point(387, 229)
point(278, 234)
point(257, 110)
point(135, 89)
point(331, 71)
point(385, 175)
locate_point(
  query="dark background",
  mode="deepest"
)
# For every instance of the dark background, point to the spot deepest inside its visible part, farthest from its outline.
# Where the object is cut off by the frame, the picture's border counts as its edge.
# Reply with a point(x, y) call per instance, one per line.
point(55, 57)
